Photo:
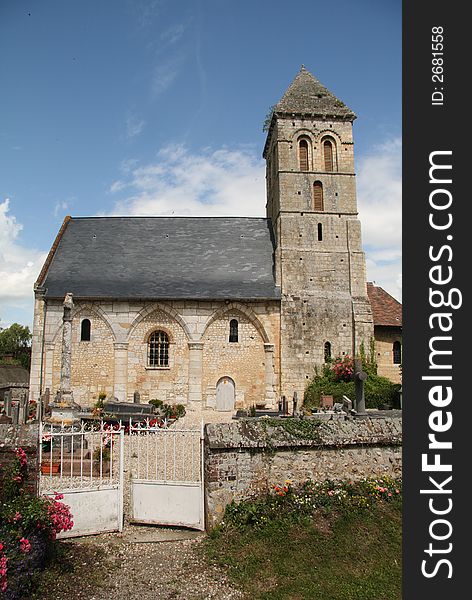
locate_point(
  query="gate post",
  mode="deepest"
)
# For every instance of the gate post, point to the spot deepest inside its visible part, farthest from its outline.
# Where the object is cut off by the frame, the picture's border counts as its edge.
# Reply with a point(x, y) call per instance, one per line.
point(121, 480)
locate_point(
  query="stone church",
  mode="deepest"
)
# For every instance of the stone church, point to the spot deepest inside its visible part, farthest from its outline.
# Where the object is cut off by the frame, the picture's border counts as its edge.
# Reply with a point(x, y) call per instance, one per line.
point(214, 312)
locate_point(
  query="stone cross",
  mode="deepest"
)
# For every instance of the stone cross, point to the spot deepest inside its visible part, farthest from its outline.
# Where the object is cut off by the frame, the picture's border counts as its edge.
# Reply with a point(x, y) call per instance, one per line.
point(14, 413)
point(23, 408)
point(64, 409)
point(359, 377)
point(66, 392)
point(7, 403)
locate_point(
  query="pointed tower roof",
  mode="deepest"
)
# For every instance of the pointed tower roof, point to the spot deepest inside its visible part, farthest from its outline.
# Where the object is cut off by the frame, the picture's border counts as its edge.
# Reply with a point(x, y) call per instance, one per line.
point(306, 95)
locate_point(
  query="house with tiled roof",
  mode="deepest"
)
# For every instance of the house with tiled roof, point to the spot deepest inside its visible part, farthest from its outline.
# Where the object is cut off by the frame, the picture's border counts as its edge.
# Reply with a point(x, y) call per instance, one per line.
point(216, 313)
point(387, 317)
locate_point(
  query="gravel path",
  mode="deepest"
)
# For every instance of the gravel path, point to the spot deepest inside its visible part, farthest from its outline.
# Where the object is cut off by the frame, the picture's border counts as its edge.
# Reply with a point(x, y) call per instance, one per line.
point(142, 563)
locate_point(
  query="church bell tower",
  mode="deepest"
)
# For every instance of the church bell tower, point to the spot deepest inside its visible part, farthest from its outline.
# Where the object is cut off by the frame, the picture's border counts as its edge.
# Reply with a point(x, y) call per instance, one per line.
point(319, 261)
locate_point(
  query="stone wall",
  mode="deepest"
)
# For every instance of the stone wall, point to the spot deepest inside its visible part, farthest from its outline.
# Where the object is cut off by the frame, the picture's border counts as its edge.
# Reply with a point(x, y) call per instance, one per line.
point(246, 457)
point(114, 361)
point(384, 338)
point(320, 263)
point(20, 436)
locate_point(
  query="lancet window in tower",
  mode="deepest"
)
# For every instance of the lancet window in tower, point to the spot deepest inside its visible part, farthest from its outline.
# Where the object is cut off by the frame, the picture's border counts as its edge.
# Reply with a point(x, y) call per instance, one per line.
point(328, 155)
point(327, 351)
point(320, 232)
point(318, 204)
point(303, 154)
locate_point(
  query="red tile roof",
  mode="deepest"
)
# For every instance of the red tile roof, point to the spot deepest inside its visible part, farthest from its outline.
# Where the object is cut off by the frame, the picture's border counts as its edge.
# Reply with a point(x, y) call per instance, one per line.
point(385, 309)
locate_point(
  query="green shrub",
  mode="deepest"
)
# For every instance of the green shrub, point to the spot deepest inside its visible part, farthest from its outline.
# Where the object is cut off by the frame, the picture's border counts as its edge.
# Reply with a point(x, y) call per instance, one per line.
point(156, 403)
point(378, 390)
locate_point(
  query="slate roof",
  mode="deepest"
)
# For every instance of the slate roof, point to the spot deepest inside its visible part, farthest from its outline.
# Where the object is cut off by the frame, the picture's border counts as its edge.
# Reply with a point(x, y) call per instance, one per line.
point(162, 257)
point(13, 374)
point(386, 310)
point(306, 95)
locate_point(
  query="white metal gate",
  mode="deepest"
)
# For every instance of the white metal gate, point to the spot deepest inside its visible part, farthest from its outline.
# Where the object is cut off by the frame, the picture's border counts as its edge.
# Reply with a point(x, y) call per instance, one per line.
point(85, 464)
point(166, 466)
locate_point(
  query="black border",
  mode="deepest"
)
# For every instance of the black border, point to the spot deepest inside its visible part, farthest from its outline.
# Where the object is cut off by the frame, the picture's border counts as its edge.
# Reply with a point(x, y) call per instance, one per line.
point(428, 128)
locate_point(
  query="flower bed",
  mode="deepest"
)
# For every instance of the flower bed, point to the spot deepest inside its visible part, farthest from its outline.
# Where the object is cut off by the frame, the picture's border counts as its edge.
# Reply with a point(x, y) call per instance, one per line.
point(28, 528)
point(287, 502)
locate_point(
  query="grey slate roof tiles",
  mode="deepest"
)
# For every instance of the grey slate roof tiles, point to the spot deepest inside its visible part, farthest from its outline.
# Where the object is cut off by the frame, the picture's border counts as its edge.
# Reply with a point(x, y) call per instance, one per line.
point(164, 257)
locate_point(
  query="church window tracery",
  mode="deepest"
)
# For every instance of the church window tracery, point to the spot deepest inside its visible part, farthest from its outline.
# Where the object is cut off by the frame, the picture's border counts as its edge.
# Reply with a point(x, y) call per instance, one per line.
point(158, 349)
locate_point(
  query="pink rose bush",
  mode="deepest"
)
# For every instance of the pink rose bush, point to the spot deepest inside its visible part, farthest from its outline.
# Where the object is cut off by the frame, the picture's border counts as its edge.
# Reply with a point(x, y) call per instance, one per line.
point(28, 527)
point(343, 368)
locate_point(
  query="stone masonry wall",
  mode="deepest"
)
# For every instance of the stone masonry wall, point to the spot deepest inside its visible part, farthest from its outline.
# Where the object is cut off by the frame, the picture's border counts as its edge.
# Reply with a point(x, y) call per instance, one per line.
point(246, 458)
point(243, 361)
point(114, 361)
point(92, 365)
point(320, 263)
point(384, 338)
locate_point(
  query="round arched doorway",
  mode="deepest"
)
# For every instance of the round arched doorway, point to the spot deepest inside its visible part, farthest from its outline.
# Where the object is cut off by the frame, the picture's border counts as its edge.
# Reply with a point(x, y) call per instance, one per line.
point(225, 394)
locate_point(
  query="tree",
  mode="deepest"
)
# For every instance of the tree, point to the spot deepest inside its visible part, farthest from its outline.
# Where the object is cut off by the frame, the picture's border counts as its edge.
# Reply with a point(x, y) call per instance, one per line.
point(16, 341)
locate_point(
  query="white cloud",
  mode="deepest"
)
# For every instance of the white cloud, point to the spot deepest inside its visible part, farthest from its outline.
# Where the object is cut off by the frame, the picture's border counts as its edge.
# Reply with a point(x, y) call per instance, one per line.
point(60, 206)
point(19, 265)
point(209, 183)
point(134, 126)
point(173, 34)
point(379, 189)
point(165, 74)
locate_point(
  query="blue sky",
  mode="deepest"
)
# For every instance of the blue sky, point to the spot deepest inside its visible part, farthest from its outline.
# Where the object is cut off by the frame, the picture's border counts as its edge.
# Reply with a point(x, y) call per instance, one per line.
point(157, 107)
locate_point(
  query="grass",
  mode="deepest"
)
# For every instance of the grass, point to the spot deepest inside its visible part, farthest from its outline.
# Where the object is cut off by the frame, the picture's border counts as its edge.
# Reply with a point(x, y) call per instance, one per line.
point(336, 555)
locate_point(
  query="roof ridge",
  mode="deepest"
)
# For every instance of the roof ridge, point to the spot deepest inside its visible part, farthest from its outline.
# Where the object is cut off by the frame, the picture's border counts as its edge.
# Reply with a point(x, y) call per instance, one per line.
point(165, 217)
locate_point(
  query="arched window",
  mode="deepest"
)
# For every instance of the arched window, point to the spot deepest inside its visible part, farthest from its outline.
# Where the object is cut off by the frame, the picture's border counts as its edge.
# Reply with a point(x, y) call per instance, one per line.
point(397, 353)
point(328, 155)
point(318, 196)
point(327, 351)
point(303, 155)
point(85, 330)
point(158, 349)
point(320, 232)
point(233, 330)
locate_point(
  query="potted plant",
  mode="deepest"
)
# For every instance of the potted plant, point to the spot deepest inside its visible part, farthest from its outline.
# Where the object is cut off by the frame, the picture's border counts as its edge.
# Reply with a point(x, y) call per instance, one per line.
point(48, 468)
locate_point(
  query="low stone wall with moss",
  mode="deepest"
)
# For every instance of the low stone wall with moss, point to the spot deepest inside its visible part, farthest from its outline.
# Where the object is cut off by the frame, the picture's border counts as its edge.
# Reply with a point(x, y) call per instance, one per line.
point(248, 457)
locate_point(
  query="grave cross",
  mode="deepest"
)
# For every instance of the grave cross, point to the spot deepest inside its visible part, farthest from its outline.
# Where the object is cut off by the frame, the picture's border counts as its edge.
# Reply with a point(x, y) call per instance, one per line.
point(359, 377)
